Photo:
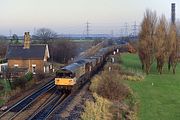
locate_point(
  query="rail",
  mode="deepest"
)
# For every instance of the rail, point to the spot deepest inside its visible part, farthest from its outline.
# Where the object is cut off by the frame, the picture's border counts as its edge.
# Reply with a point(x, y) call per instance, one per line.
point(25, 102)
point(49, 107)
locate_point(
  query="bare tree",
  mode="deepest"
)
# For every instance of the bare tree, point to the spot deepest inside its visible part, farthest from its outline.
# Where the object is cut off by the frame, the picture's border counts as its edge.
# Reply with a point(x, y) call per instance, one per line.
point(178, 27)
point(63, 50)
point(45, 35)
point(173, 48)
point(146, 42)
point(3, 48)
point(161, 43)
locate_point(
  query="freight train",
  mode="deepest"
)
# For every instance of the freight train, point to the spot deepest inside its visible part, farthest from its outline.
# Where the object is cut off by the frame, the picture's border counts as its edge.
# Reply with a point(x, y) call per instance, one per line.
point(75, 74)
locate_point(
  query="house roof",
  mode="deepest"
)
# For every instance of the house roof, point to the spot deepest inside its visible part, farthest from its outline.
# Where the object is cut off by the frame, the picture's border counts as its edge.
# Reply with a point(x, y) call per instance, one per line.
point(36, 51)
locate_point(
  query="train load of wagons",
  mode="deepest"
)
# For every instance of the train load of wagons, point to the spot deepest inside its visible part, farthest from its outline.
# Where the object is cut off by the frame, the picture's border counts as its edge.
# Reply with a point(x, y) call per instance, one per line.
point(78, 72)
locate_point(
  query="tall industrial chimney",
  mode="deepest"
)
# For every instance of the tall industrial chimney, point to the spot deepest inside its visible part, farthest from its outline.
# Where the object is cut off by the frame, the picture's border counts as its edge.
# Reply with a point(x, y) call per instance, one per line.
point(173, 14)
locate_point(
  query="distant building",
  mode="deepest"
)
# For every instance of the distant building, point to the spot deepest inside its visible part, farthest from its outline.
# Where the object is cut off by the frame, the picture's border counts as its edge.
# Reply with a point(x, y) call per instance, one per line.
point(28, 57)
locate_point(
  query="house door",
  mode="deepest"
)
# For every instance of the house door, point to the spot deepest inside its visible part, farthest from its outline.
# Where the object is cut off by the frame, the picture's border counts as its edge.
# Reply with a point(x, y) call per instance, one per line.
point(33, 69)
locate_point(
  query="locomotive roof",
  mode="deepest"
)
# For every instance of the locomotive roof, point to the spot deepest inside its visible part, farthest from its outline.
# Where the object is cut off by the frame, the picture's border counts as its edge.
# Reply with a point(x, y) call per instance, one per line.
point(81, 61)
point(85, 60)
point(72, 67)
point(91, 59)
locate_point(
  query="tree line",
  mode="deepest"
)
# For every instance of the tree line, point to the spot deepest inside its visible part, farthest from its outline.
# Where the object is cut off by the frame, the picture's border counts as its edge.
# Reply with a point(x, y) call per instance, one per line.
point(158, 41)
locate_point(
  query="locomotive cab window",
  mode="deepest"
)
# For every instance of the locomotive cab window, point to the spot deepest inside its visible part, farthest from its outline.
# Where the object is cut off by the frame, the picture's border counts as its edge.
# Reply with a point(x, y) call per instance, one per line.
point(65, 74)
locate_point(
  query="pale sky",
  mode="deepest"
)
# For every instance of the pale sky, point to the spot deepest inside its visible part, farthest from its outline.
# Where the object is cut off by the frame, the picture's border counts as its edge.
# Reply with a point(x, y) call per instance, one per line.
point(70, 16)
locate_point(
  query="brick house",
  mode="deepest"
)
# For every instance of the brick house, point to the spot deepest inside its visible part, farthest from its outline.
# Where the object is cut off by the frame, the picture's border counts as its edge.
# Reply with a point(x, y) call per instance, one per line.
point(29, 57)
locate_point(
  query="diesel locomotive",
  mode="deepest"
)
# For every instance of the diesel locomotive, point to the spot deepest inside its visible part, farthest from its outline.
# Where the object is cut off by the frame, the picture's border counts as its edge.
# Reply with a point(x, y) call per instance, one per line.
point(78, 72)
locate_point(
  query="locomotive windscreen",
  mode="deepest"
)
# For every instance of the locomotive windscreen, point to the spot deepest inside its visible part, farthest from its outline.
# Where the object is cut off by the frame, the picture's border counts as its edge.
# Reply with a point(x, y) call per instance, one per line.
point(64, 74)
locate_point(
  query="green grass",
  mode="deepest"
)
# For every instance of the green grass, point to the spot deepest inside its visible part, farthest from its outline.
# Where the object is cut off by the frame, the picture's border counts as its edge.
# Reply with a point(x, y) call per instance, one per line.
point(160, 101)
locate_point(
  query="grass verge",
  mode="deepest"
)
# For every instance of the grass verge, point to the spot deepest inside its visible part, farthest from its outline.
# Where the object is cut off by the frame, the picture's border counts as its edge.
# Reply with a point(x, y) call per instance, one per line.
point(159, 95)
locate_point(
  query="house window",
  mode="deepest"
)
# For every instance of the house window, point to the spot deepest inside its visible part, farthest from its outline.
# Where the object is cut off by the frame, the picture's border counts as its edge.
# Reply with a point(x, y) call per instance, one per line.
point(33, 68)
point(16, 65)
point(50, 66)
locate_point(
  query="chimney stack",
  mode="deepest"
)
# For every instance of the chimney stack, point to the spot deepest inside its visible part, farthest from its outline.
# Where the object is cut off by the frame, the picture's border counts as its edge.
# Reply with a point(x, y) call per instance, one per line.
point(173, 14)
point(27, 40)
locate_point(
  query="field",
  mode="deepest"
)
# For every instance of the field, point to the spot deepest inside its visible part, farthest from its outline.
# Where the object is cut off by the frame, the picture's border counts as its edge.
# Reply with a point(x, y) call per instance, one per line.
point(158, 95)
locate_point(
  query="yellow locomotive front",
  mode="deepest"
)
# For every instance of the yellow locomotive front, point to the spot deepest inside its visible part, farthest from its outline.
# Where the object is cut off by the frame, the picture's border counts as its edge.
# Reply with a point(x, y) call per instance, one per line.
point(65, 79)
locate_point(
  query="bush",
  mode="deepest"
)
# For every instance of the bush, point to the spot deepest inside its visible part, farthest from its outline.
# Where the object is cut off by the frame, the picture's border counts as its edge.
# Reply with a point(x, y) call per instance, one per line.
point(109, 86)
point(29, 76)
point(95, 83)
point(133, 78)
point(98, 110)
point(19, 82)
point(111, 82)
point(22, 81)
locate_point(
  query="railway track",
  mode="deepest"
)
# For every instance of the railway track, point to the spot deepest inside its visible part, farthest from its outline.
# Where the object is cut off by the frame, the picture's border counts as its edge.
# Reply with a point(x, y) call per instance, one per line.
point(56, 113)
point(19, 107)
point(55, 103)
point(51, 104)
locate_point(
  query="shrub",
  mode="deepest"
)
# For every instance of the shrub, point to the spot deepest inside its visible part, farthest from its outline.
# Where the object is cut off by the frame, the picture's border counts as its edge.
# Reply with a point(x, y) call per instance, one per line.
point(133, 78)
point(95, 83)
point(98, 110)
point(22, 81)
point(132, 104)
point(107, 82)
point(110, 82)
point(109, 86)
point(29, 76)
point(19, 82)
